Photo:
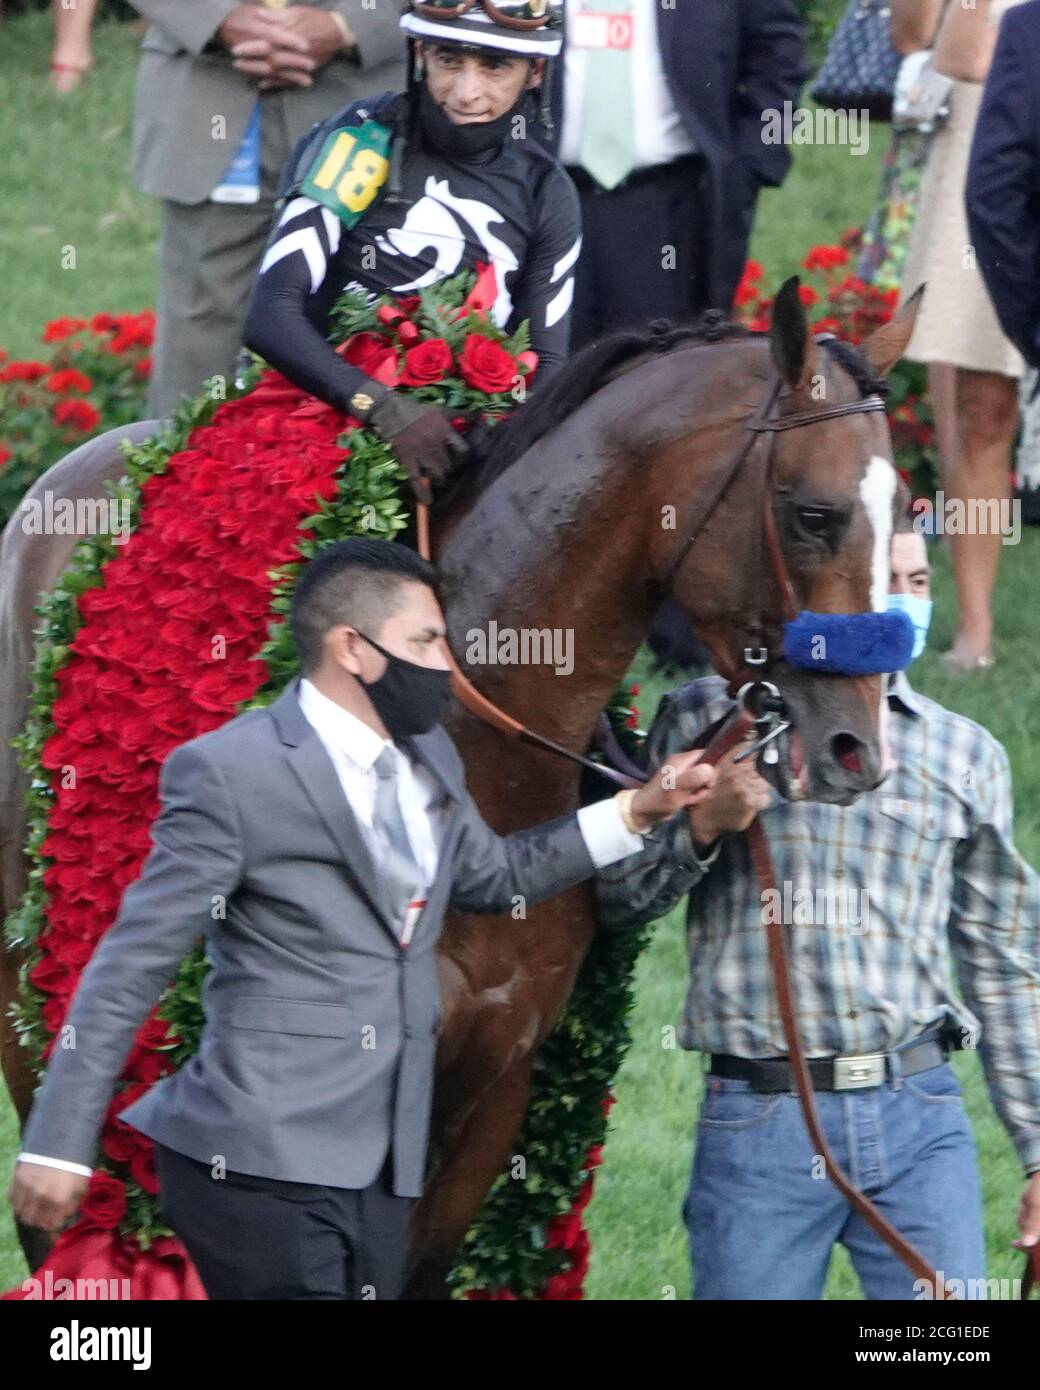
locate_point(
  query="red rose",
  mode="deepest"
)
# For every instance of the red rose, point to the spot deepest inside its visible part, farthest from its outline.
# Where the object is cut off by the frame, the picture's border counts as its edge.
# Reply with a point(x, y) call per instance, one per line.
point(144, 367)
point(409, 333)
point(5, 454)
point(368, 352)
point(746, 293)
point(147, 1066)
point(527, 362)
point(53, 1013)
point(62, 328)
point(142, 1169)
point(389, 314)
point(68, 380)
point(486, 366)
point(133, 330)
point(825, 258)
point(484, 293)
point(105, 1202)
point(388, 372)
point(24, 371)
point(120, 1145)
point(429, 361)
point(77, 415)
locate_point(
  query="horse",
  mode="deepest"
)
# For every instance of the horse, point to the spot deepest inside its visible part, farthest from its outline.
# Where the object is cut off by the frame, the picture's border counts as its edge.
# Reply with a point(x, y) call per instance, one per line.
point(580, 516)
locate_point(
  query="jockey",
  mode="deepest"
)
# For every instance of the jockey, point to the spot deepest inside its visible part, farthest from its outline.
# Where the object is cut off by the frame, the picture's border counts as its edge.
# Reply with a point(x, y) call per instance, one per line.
point(393, 194)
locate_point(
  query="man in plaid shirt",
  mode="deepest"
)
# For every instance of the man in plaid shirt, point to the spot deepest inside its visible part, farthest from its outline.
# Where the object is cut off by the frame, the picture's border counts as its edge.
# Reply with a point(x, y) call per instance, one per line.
point(877, 896)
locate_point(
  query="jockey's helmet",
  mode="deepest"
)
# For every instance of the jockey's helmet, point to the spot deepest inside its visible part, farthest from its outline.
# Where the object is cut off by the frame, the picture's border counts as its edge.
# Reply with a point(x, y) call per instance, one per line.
point(528, 28)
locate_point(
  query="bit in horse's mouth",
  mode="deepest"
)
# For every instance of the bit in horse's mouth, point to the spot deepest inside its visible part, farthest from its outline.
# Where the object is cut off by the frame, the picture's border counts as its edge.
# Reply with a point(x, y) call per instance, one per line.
point(787, 773)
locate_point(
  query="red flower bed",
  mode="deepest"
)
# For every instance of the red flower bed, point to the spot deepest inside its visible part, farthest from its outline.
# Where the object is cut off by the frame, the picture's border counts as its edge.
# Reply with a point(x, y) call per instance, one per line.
point(95, 378)
point(852, 309)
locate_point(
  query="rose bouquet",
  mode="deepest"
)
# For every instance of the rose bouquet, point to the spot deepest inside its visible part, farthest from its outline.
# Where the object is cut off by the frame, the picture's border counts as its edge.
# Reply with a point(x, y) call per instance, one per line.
point(445, 352)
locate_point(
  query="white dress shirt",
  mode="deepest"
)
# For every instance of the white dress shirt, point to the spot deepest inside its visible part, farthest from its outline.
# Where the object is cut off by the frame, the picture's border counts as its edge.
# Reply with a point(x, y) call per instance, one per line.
point(660, 135)
point(353, 748)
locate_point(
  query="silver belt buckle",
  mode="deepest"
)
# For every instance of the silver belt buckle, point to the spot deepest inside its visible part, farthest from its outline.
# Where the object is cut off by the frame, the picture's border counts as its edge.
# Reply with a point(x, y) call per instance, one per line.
point(850, 1073)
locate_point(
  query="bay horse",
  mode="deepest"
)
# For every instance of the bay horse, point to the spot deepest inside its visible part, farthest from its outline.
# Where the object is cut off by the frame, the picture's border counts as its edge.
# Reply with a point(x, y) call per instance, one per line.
point(574, 521)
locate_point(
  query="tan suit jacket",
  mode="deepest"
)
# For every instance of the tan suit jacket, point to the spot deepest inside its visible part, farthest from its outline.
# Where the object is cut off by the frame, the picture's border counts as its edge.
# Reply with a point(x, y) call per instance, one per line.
point(191, 107)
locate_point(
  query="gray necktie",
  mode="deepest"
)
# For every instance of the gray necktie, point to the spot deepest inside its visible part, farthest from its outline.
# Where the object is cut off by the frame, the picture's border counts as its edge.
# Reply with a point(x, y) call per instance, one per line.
point(398, 871)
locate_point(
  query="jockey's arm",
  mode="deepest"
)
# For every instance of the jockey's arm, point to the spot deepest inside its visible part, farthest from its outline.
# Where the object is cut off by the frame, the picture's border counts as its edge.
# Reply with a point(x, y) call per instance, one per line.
point(290, 287)
point(291, 281)
point(545, 287)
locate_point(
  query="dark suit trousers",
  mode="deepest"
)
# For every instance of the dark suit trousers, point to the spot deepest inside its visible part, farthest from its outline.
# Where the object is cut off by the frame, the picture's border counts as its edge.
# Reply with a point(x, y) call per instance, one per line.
point(643, 253)
point(259, 1238)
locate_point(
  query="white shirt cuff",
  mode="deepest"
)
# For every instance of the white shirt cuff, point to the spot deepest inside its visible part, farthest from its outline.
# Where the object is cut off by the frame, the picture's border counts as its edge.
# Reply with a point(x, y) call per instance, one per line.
point(606, 836)
point(63, 1163)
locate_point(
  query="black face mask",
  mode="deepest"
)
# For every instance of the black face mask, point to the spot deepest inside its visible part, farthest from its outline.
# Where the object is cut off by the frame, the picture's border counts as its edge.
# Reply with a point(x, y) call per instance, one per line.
point(409, 699)
point(474, 138)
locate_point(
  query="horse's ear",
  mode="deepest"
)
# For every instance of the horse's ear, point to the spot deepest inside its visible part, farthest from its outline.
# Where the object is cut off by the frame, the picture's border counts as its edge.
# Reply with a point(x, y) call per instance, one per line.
point(790, 337)
point(886, 344)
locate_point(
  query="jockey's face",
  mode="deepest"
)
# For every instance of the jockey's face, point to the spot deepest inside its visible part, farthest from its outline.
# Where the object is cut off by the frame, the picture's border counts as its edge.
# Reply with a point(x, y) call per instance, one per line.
point(479, 86)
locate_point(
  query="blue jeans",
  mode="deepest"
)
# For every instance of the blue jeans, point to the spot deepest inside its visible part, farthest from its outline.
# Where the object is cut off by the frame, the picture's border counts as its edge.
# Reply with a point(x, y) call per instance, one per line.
point(763, 1216)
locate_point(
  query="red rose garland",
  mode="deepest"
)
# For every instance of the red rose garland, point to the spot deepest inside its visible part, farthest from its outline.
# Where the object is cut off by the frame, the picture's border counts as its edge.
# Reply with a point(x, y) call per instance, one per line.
point(166, 651)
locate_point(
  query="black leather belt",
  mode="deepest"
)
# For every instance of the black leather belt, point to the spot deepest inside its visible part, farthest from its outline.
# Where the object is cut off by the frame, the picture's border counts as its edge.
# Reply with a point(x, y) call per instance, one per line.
point(772, 1074)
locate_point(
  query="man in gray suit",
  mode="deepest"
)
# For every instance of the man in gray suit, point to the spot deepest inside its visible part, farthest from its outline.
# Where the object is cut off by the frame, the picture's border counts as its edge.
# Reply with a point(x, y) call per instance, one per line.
point(224, 92)
point(317, 845)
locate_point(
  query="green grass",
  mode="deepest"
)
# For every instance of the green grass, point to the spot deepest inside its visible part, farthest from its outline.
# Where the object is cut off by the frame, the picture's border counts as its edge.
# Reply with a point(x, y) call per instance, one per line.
point(67, 183)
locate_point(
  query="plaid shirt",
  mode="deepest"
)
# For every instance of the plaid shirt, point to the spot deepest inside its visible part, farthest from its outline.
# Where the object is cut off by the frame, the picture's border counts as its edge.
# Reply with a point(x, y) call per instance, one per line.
point(877, 896)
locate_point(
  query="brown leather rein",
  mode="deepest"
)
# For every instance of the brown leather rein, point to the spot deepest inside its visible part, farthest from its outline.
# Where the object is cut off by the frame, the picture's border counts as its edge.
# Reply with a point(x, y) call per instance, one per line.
point(740, 727)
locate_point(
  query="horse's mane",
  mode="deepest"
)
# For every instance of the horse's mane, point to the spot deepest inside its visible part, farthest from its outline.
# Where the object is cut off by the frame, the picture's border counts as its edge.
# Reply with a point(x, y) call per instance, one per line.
point(496, 448)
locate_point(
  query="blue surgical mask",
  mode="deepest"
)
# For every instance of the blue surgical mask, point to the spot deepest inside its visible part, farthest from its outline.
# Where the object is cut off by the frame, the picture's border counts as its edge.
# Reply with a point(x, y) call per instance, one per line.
point(919, 611)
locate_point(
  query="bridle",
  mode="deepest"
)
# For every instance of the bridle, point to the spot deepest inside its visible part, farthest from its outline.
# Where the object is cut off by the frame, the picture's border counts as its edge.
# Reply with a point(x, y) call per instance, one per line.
point(757, 452)
point(762, 426)
point(757, 720)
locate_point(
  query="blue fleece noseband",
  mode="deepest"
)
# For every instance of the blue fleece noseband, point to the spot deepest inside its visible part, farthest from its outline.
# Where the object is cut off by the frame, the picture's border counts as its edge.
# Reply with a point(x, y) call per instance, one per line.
point(849, 644)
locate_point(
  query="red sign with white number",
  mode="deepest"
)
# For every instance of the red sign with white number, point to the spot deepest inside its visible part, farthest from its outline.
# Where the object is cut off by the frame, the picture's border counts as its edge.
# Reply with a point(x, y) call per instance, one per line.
point(593, 29)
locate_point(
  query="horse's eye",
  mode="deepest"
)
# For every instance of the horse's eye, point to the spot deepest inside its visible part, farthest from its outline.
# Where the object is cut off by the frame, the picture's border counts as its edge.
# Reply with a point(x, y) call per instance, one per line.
point(814, 521)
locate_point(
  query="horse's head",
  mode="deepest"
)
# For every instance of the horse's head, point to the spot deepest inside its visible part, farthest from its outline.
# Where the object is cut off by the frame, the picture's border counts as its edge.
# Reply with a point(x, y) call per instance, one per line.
point(828, 490)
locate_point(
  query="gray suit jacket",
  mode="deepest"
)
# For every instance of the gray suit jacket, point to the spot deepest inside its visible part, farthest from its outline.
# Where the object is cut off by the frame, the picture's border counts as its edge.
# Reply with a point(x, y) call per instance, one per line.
point(184, 81)
point(318, 1046)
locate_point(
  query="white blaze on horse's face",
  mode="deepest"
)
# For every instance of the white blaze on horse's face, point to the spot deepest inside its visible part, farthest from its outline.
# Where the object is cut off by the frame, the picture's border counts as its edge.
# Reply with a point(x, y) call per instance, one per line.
point(877, 488)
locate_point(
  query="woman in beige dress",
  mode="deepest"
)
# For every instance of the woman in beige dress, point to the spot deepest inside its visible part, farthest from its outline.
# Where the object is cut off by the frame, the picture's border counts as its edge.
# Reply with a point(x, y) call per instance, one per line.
point(973, 368)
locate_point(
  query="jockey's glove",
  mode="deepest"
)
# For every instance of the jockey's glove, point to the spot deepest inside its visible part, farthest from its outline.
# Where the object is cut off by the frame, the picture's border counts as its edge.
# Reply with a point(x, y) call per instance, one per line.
point(422, 438)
